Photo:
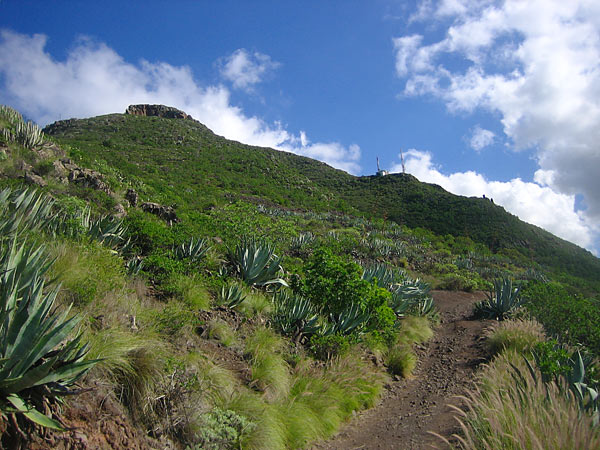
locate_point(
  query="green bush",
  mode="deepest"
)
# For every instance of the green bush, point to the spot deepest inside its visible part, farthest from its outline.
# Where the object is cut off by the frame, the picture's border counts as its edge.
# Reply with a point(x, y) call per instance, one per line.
point(327, 347)
point(574, 318)
point(222, 429)
point(332, 283)
point(552, 359)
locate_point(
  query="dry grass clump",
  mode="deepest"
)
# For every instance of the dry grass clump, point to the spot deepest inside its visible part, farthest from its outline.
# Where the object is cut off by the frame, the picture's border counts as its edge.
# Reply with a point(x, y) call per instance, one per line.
point(270, 371)
point(400, 359)
point(519, 335)
point(511, 409)
point(220, 330)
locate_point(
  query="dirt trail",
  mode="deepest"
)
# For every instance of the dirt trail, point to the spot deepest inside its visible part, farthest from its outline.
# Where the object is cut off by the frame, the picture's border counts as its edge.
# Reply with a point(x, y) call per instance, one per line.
point(410, 408)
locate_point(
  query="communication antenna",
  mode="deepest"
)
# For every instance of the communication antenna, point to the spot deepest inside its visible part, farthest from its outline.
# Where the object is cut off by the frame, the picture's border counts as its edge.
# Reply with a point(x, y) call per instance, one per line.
point(378, 169)
point(402, 161)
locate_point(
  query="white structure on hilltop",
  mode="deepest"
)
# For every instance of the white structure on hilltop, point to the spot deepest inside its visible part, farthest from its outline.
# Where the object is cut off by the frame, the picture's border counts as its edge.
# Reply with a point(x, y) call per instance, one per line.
point(381, 173)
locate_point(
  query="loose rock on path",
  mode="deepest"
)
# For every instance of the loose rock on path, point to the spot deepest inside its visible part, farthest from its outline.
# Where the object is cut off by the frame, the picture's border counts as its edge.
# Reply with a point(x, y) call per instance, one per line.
point(410, 408)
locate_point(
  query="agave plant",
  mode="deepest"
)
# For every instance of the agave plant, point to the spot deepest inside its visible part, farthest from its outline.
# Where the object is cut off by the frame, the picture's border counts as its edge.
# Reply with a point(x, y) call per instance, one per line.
point(301, 241)
point(37, 362)
point(385, 275)
point(134, 266)
point(407, 295)
point(352, 319)
point(294, 316)
point(500, 303)
point(256, 263)
point(586, 395)
point(194, 249)
point(24, 209)
point(575, 379)
point(110, 233)
point(232, 296)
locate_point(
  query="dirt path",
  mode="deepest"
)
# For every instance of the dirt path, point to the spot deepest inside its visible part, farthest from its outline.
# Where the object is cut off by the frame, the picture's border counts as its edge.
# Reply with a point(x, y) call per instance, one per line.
point(410, 408)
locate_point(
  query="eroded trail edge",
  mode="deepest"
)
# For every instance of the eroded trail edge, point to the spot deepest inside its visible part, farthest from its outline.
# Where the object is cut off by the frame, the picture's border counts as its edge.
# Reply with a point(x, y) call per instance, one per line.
point(412, 407)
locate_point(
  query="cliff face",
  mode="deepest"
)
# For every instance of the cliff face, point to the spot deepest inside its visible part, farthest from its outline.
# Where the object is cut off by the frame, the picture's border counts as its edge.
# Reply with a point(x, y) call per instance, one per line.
point(167, 112)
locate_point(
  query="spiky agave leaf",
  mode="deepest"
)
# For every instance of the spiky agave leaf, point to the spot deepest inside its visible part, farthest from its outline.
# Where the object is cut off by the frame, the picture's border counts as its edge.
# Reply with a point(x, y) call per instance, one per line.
point(502, 302)
point(232, 296)
point(194, 249)
point(36, 357)
point(350, 320)
point(294, 316)
point(385, 275)
point(24, 209)
point(256, 263)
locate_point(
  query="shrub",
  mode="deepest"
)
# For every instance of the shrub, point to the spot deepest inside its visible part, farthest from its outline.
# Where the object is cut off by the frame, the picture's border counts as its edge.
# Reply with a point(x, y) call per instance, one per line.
point(552, 359)
point(331, 283)
point(222, 429)
point(575, 318)
point(327, 347)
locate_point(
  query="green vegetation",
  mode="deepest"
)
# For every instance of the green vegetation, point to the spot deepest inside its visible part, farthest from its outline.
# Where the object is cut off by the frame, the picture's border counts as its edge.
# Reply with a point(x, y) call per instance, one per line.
point(191, 323)
point(501, 303)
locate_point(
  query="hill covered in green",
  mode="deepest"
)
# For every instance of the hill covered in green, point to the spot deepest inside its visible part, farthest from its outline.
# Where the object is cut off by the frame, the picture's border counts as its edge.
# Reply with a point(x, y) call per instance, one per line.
point(180, 161)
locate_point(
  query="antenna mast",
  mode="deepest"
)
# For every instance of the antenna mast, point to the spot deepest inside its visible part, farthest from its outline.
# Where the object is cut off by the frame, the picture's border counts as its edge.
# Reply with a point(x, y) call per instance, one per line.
point(378, 169)
point(402, 161)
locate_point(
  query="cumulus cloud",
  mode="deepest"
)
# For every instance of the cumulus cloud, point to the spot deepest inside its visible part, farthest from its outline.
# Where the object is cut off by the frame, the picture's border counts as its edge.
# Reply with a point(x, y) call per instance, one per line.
point(531, 202)
point(481, 138)
point(94, 80)
point(245, 69)
point(535, 64)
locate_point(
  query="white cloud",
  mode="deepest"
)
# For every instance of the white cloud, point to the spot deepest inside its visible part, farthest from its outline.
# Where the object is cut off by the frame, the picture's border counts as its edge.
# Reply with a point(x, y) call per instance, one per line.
point(481, 138)
point(95, 80)
point(245, 69)
point(531, 202)
point(535, 64)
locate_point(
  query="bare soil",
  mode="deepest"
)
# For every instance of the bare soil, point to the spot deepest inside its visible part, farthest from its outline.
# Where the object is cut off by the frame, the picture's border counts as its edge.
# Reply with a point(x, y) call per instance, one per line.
point(410, 408)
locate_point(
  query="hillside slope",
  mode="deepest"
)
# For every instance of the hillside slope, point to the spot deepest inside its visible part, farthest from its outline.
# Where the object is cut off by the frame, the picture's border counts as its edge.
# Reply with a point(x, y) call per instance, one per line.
point(180, 161)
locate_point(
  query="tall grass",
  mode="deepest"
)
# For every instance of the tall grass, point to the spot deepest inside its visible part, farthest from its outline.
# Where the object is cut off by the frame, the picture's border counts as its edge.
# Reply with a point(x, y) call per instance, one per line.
point(270, 371)
point(519, 335)
point(131, 362)
point(510, 409)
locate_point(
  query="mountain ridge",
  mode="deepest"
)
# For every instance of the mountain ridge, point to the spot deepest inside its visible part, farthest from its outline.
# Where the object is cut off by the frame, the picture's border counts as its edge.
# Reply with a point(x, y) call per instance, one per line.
point(187, 156)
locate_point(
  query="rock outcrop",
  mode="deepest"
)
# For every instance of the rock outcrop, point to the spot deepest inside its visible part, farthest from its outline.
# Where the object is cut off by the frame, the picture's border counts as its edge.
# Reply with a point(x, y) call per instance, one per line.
point(166, 213)
point(69, 172)
point(167, 112)
point(132, 197)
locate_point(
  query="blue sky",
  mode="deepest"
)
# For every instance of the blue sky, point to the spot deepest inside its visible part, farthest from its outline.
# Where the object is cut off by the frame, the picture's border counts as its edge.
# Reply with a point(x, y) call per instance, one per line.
point(500, 98)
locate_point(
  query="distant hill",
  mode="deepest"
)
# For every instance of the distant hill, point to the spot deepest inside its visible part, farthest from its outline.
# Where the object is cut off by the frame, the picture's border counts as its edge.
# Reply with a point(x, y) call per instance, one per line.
point(171, 158)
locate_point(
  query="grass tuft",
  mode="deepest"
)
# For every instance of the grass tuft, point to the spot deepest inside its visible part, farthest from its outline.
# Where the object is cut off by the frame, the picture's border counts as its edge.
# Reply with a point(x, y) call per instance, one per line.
point(518, 335)
point(401, 360)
